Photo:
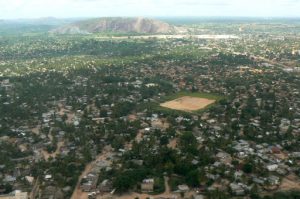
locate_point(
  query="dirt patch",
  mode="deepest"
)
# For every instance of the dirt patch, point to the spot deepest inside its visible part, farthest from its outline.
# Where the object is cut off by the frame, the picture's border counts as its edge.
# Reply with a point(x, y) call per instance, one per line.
point(54, 154)
point(188, 103)
point(173, 144)
point(290, 182)
point(139, 136)
point(160, 123)
point(132, 117)
point(36, 130)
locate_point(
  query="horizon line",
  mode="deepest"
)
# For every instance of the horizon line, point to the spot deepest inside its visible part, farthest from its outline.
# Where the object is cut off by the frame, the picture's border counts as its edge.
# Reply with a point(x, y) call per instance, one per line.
point(149, 16)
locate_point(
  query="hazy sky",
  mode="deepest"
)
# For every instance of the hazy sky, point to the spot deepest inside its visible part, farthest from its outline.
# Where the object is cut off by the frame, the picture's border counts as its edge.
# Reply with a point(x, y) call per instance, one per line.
point(99, 8)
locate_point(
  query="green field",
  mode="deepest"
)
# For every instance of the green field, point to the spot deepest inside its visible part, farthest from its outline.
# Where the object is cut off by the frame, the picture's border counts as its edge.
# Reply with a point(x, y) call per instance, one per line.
point(192, 94)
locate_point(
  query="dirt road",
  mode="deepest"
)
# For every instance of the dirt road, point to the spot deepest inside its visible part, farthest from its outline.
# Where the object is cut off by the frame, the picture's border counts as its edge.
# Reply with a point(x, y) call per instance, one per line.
point(78, 193)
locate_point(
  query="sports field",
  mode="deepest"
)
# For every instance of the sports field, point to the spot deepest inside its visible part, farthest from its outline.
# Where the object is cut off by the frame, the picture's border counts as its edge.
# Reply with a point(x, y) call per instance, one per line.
point(188, 103)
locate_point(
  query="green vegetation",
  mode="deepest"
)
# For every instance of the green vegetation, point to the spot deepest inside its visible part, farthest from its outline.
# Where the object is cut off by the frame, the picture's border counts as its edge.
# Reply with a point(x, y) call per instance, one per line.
point(192, 94)
point(67, 100)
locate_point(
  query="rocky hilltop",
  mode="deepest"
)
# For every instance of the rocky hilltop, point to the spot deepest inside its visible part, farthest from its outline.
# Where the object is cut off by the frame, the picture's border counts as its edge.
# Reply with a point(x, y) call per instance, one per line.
point(116, 24)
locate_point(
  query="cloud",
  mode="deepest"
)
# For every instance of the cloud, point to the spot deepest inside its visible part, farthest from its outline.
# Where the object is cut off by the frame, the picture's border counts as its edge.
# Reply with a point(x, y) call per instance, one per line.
point(98, 8)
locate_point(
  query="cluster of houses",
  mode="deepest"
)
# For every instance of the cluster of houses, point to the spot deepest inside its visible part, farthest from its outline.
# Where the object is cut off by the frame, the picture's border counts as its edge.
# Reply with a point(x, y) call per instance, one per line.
point(15, 195)
point(89, 182)
point(6, 85)
point(78, 106)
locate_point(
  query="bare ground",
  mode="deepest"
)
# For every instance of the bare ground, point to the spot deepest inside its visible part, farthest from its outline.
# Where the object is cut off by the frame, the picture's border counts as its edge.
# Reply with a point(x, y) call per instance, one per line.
point(173, 144)
point(188, 103)
point(78, 193)
point(291, 182)
point(139, 136)
point(36, 130)
point(54, 154)
point(160, 123)
point(132, 195)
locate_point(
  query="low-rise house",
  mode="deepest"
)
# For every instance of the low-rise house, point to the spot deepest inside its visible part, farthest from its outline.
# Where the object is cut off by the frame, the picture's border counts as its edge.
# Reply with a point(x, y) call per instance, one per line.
point(15, 195)
point(195, 162)
point(29, 179)
point(274, 180)
point(238, 174)
point(9, 179)
point(272, 167)
point(237, 189)
point(147, 185)
point(259, 181)
point(281, 171)
point(183, 188)
point(89, 182)
point(212, 177)
point(224, 157)
point(48, 177)
point(198, 196)
point(106, 186)
point(276, 150)
point(138, 162)
point(295, 154)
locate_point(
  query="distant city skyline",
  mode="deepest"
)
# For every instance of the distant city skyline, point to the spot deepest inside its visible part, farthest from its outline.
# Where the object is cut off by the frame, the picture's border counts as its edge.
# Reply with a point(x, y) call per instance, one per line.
point(16, 9)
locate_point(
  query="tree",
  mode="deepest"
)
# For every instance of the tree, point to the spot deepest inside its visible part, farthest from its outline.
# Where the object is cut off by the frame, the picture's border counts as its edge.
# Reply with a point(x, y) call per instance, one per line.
point(123, 109)
point(188, 143)
point(248, 168)
point(123, 183)
point(217, 195)
point(192, 178)
point(164, 140)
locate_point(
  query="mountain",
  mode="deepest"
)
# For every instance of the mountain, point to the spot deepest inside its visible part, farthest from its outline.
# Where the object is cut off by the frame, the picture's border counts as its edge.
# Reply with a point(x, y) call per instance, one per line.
point(116, 24)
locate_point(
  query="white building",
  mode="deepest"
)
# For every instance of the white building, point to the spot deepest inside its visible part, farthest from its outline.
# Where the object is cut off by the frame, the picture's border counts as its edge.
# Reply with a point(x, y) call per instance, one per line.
point(272, 167)
point(15, 195)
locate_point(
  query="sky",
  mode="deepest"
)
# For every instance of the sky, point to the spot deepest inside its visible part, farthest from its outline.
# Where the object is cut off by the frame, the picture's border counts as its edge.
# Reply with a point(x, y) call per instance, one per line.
point(16, 9)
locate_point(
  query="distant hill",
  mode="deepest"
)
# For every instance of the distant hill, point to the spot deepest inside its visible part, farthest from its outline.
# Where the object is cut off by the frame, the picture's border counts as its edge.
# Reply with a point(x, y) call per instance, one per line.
point(116, 24)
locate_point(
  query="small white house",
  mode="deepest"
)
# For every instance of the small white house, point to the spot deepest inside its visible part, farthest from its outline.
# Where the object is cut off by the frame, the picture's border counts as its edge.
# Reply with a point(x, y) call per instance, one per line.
point(272, 167)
